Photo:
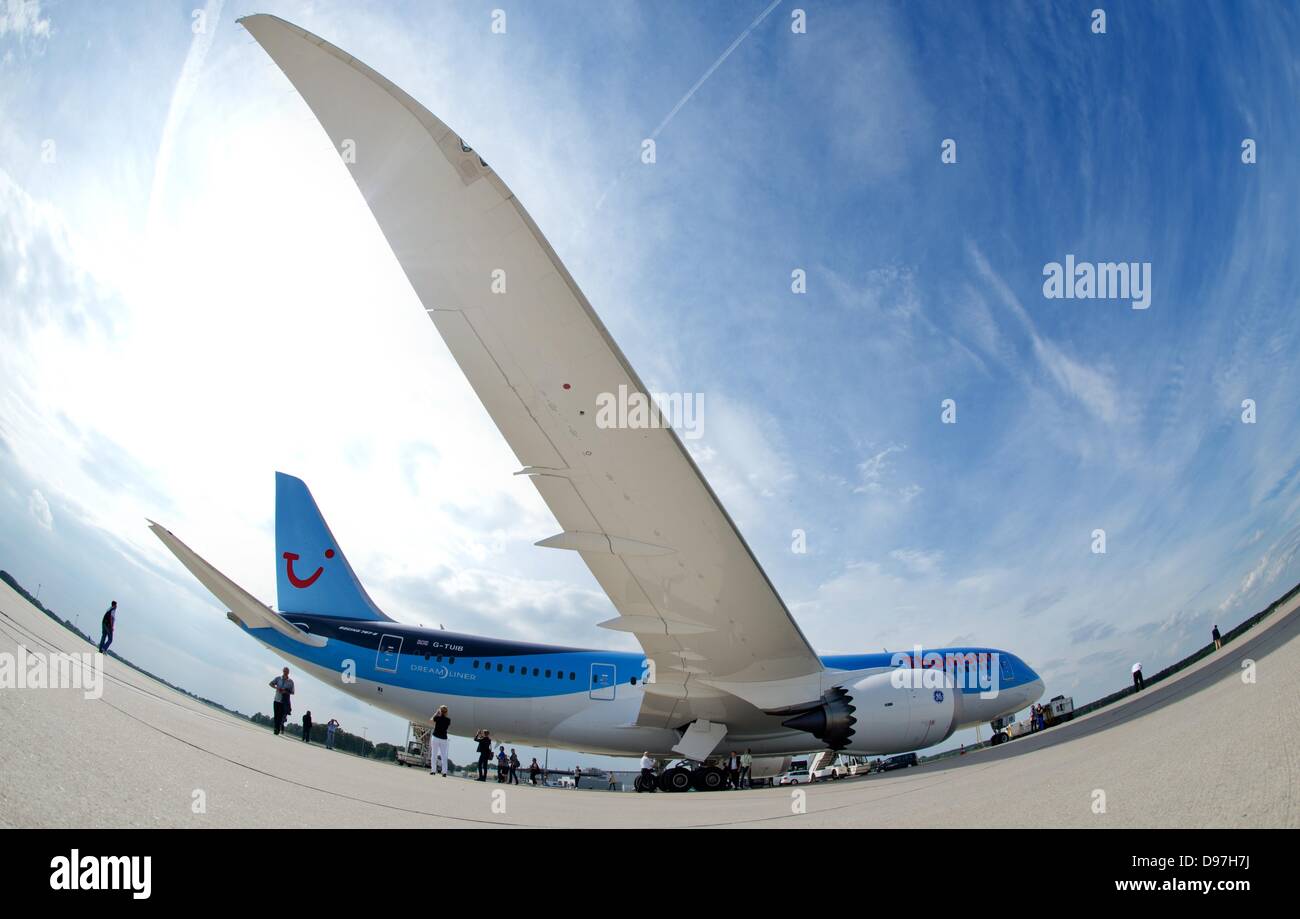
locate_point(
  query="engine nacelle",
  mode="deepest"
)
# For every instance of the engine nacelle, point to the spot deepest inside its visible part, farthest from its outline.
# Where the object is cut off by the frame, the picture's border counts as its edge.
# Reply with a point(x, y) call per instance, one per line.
point(889, 712)
point(903, 710)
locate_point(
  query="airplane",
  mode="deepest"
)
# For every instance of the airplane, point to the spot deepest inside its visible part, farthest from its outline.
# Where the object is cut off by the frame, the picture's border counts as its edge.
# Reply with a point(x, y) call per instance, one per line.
point(723, 664)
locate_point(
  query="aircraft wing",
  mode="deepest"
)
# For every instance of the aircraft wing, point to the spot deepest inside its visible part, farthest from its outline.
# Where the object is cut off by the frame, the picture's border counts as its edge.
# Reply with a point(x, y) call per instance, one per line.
point(631, 502)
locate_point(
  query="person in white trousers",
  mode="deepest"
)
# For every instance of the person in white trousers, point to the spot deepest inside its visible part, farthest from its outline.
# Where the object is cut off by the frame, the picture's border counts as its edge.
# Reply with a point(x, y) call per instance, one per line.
point(438, 742)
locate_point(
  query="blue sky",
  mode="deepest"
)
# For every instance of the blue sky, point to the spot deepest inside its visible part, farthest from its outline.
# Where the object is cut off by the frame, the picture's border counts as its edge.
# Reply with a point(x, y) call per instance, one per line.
point(192, 295)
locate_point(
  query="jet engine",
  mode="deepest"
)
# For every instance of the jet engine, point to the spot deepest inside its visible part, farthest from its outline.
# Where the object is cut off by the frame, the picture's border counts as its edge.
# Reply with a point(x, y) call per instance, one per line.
point(891, 712)
point(831, 722)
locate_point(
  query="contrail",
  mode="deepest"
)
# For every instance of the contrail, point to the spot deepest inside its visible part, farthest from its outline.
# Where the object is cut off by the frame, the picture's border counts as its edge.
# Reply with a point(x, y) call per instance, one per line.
point(716, 64)
point(600, 202)
point(182, 95)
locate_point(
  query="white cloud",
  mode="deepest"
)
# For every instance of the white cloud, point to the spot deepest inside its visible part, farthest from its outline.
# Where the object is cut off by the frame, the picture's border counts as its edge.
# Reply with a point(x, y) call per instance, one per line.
point(918, 561)
point(40, 509)
point(873, 468)
point(1093, 387)
point(23, 20)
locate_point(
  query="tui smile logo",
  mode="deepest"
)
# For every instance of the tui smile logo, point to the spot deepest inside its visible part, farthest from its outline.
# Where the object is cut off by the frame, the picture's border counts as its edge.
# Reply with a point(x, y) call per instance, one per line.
point(300, 583)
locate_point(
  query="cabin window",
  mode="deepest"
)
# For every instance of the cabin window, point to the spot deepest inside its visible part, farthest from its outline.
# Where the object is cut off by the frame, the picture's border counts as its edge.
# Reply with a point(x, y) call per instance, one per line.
point(512, 668)
point(572, 675)
point(548, 673)
point(534, 671)
point(476, 665)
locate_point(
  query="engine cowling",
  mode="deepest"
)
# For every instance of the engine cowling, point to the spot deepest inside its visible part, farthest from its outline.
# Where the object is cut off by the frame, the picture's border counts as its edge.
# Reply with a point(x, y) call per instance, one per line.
point(891, 712)
point(905, 710)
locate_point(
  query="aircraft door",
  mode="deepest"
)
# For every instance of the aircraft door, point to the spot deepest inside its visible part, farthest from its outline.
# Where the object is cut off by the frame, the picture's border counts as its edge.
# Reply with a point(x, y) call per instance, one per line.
point(390, 649)
point(602, 682)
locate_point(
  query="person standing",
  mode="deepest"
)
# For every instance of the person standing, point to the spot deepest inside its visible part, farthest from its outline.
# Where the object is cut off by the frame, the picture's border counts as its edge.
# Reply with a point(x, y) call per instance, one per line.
point(330, 727)
point(503, 763)
point(438, 742)
point(106, 627)
point(1137, 677)
point(1218, 639)
point(613, 782)
point(306, 728)
point(484, 741)
point(577, 776)
point(283, 687)
point(747, 768)
point(533, 768)
point(733, 769)
point(513, 777)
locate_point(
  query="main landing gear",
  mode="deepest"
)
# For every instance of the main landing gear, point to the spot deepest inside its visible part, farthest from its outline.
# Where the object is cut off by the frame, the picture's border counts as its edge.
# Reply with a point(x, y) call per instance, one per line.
point(684, 778)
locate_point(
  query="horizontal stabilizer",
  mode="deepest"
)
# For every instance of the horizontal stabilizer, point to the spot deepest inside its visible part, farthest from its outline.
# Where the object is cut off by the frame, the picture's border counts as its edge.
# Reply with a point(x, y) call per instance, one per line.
point(239, 601)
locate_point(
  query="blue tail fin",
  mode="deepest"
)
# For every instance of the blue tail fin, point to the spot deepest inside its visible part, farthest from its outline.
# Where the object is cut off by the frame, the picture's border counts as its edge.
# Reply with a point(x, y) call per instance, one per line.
point(312, 574)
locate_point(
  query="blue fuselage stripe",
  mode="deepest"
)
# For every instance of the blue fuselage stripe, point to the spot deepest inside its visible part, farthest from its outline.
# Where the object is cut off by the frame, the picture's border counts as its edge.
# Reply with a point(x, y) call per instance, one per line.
point(449, 663)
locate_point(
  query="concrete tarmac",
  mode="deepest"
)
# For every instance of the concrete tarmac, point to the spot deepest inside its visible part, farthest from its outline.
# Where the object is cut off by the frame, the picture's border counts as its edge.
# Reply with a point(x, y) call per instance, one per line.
point(1202, 749)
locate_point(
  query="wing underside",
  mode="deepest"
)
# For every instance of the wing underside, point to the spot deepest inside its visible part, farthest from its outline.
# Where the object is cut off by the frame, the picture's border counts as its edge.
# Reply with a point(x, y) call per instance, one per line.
point(631, 502)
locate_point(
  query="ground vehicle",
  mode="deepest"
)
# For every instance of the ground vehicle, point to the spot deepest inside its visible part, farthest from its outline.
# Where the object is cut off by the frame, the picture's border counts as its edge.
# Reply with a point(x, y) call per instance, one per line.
point(796, 777)
point(416, 750)
point(901, 761)
point(1059, 710)
point(854, 765)
point(1007, 728)
point(828, 774)
point(827, 766)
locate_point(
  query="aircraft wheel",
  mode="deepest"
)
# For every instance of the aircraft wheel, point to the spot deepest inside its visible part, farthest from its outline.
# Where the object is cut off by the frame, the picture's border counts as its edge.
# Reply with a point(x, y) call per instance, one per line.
point(678, 779)
point(708, 778)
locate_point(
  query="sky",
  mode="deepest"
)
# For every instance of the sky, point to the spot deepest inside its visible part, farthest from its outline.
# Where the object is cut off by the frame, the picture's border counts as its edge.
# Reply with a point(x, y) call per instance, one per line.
point(193, 295)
